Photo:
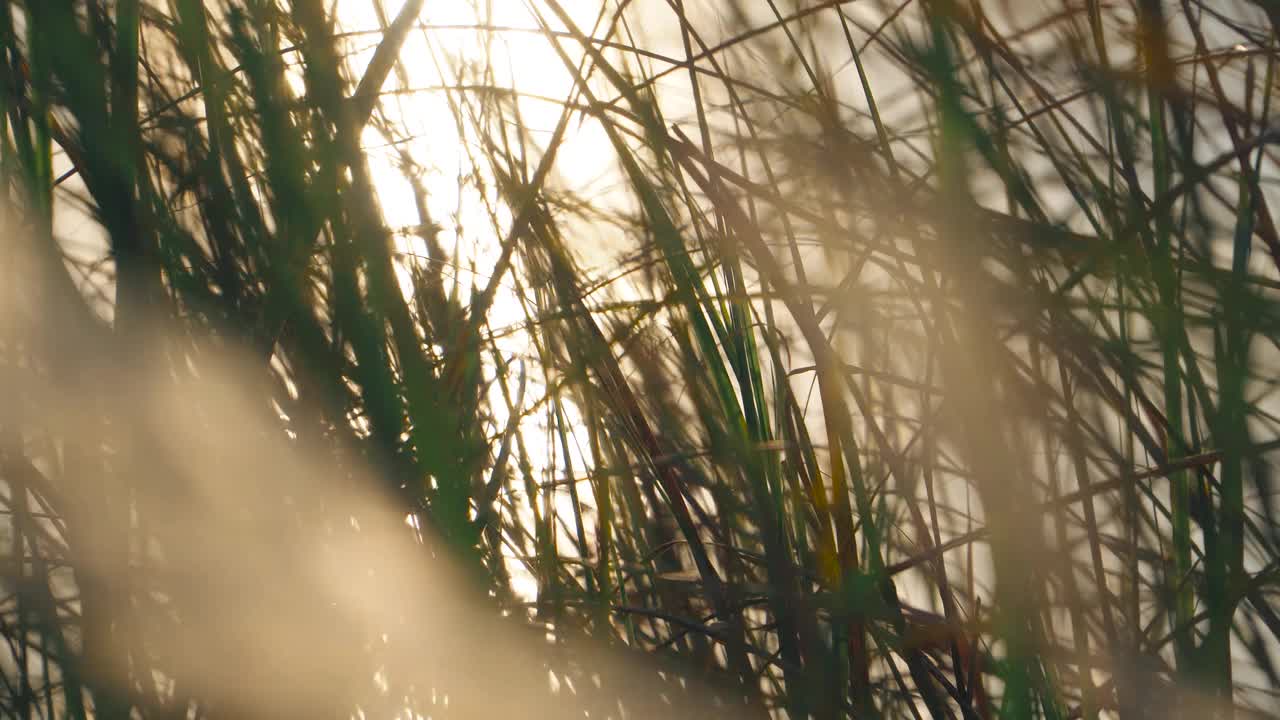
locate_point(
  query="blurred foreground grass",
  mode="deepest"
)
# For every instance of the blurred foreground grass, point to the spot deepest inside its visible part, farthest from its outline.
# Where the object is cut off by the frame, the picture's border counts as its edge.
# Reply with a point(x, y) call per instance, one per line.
point(907, 359)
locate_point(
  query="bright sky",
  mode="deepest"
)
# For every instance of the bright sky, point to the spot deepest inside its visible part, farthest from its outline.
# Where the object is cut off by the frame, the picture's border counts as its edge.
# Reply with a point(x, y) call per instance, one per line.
point(433, 60)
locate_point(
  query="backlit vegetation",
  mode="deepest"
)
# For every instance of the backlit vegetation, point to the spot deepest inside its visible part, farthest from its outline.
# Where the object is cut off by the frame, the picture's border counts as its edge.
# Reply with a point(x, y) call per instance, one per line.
point(822, 359)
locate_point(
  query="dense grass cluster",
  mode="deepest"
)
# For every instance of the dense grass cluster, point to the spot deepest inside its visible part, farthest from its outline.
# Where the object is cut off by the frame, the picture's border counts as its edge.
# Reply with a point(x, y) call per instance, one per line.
point(908, 359)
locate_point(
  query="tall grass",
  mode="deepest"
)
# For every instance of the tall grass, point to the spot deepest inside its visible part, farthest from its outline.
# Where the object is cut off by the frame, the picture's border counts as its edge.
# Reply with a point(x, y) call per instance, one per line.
point(909, 359)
